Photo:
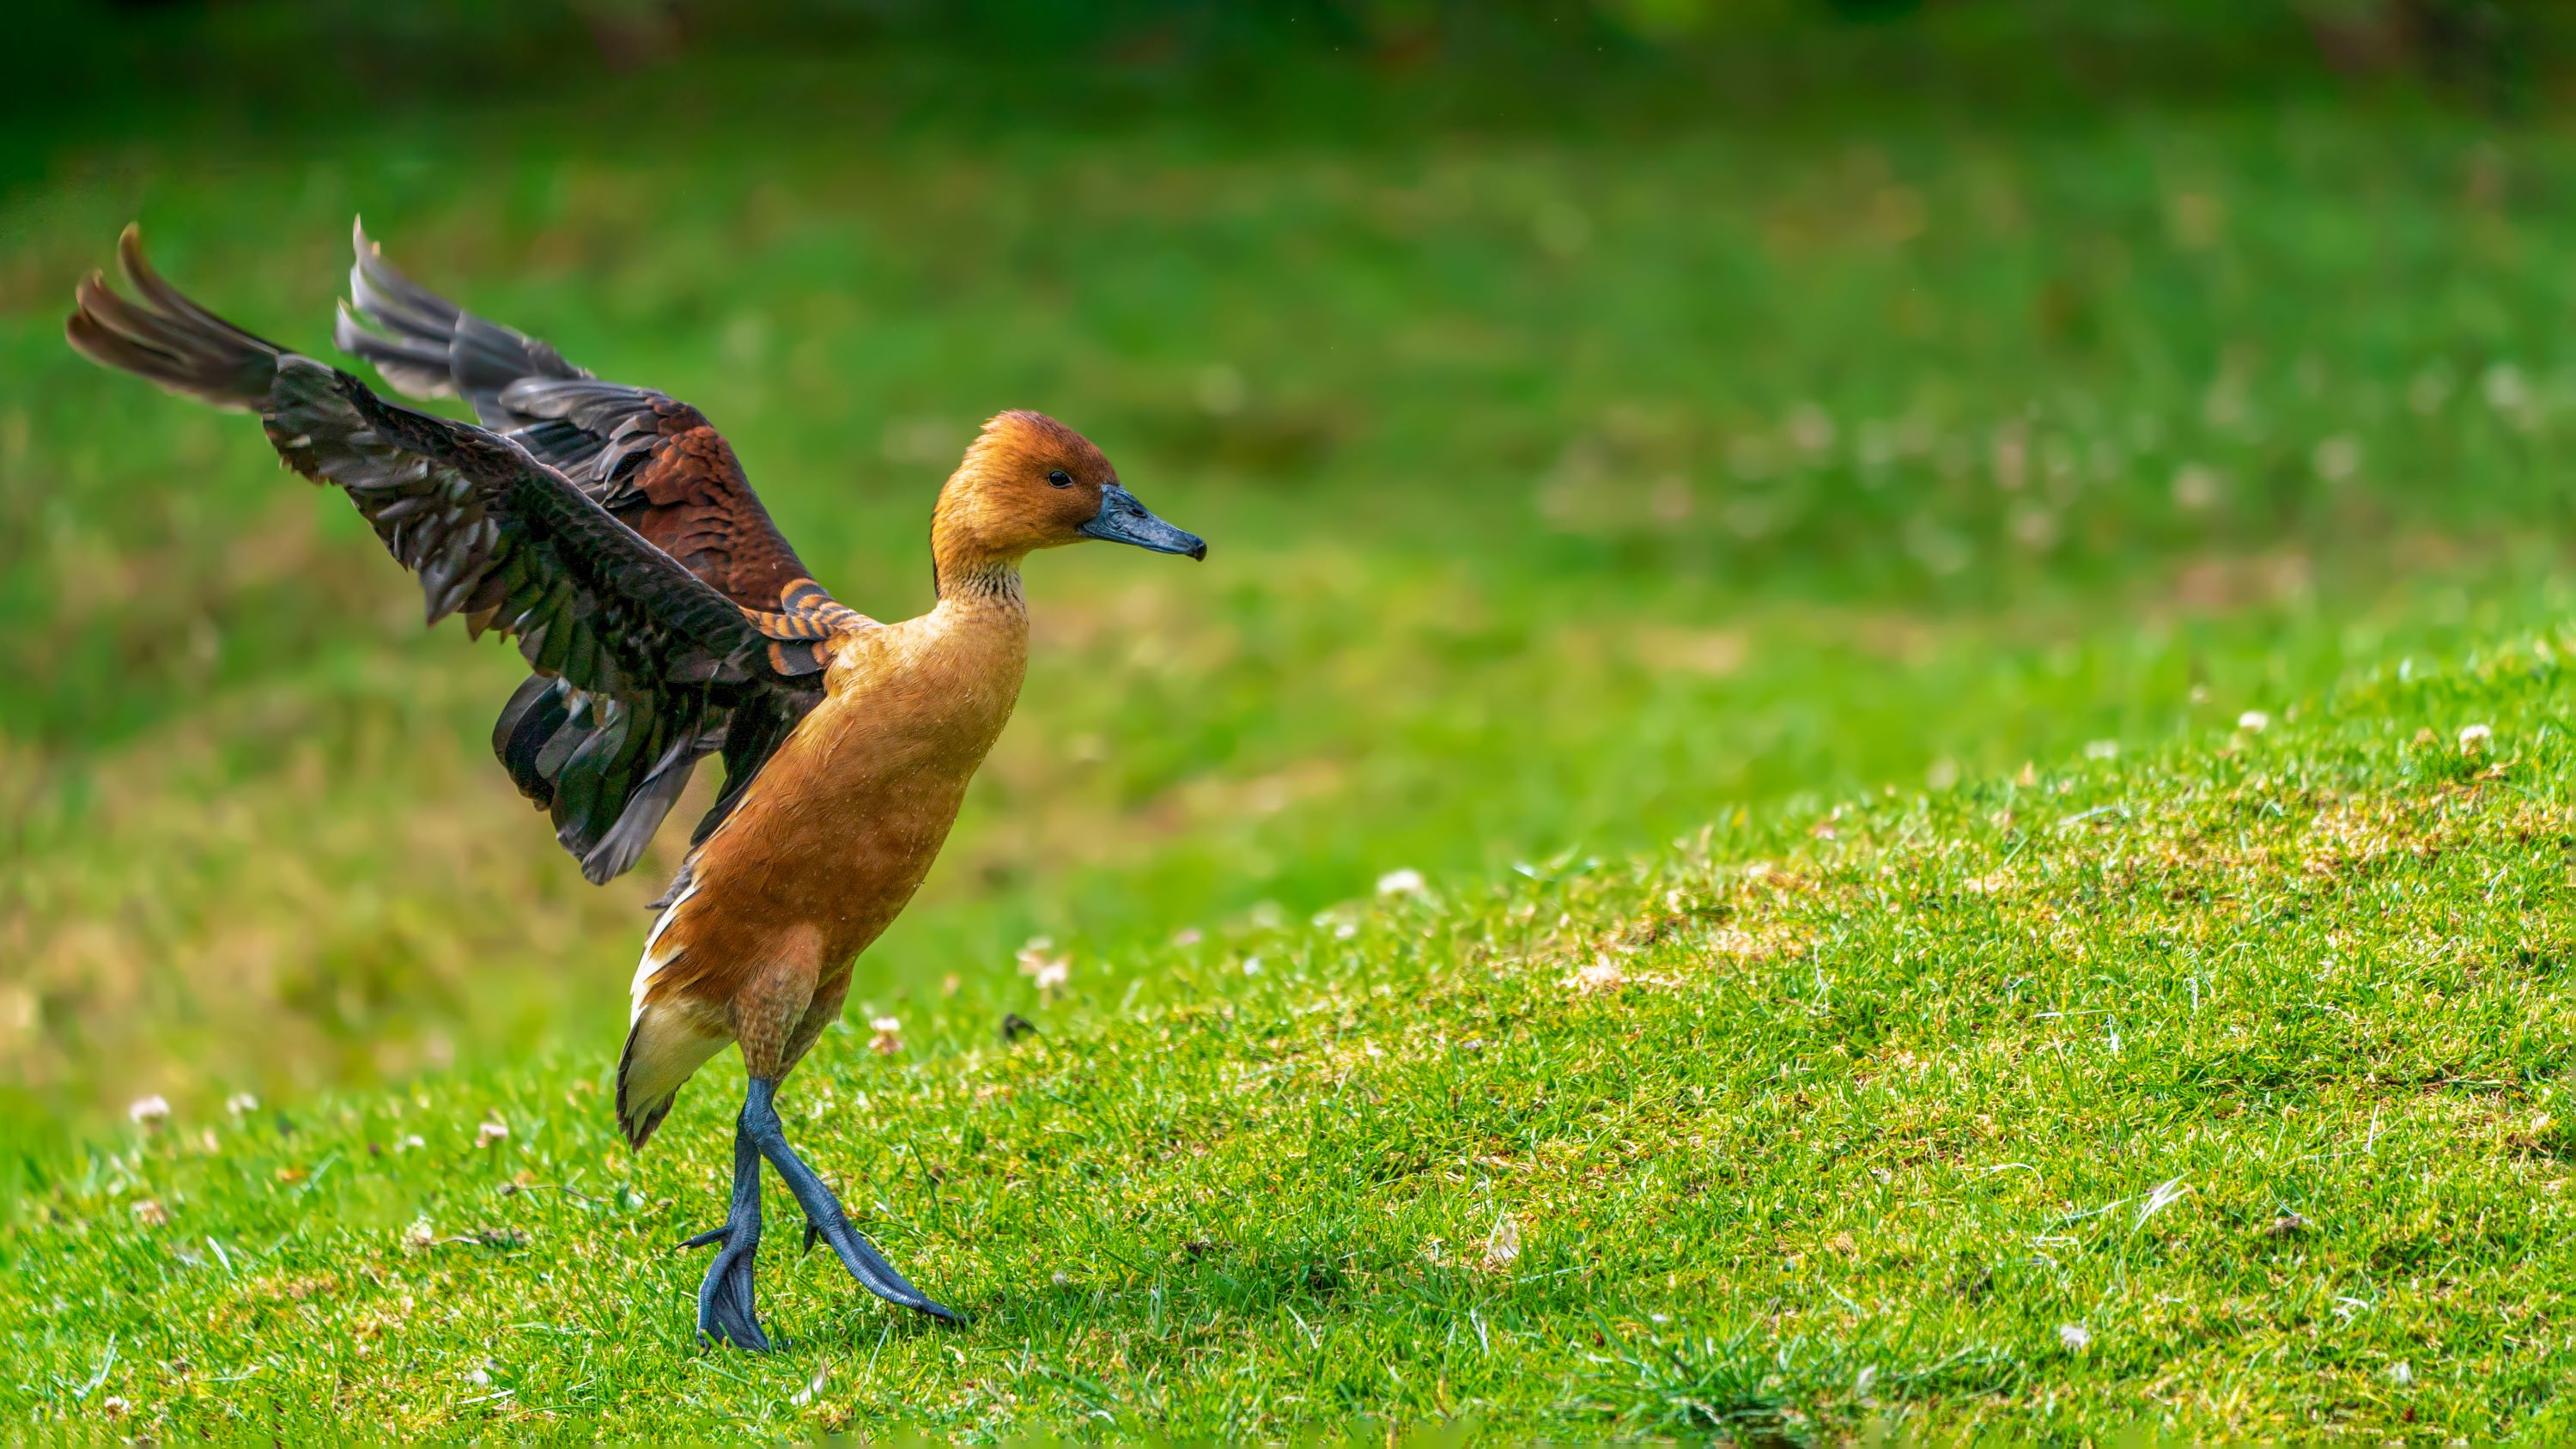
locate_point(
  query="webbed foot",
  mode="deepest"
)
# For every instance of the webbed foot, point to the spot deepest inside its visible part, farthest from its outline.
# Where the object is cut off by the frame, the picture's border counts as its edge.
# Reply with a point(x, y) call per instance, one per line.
point(825, 1220)
point(726, 1311)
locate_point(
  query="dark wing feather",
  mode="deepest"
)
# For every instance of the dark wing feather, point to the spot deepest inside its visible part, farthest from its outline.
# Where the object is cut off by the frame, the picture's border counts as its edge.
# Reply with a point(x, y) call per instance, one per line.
point(653, 461)
point(643, 665)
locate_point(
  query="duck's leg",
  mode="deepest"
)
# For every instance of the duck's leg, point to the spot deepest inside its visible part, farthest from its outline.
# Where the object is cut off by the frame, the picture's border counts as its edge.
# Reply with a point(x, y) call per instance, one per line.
point(725, 1310)
point(824, 1217)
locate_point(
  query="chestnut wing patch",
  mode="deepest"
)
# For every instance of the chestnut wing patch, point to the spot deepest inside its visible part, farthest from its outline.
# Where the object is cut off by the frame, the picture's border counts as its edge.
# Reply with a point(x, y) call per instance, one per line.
point(654, 461)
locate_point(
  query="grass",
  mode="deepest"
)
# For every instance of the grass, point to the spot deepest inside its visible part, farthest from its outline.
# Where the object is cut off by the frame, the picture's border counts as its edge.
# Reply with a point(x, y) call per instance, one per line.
point(2220, 1087)
point(1574, 489)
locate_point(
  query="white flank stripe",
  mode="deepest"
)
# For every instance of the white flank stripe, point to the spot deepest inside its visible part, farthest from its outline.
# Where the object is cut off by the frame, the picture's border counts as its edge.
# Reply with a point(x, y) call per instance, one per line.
point(652, 963)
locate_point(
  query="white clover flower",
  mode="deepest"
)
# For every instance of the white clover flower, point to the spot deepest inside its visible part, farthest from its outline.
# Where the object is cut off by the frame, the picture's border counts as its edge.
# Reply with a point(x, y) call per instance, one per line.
point(1405, 882)
point(1811, 427)
point(1602, 975)
point(2505, 388)
point(2338, 458)
point(147, 1111)
point(2195, 487)
point(1042, 965)
point(2254, 721)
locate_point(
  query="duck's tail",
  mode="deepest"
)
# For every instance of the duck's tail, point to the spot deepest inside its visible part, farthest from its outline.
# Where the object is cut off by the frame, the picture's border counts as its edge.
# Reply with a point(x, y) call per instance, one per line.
point(667, 1038)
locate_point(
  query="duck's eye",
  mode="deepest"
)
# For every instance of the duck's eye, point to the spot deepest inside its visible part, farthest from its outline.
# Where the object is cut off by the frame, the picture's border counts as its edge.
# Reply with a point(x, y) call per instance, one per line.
point(1060, 478)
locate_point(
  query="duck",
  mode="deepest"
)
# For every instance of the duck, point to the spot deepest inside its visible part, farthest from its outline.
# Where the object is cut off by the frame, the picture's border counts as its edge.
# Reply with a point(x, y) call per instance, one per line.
point(610, 532)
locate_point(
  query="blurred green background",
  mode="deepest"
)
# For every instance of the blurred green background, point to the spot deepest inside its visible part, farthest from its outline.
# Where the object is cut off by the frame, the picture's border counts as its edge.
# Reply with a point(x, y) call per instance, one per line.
point(1606, 417)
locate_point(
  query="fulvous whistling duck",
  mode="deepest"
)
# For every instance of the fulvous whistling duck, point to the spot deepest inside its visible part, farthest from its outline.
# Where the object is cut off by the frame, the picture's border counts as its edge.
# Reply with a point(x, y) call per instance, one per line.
point(609, 530)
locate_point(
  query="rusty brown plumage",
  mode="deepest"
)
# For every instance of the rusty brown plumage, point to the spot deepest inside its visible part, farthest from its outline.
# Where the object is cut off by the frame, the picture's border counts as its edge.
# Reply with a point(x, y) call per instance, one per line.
point(611, 532)
point(878, 768)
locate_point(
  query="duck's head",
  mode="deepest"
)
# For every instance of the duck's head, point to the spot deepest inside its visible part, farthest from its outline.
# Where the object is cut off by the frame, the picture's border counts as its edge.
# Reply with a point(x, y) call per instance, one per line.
point(1029, 482)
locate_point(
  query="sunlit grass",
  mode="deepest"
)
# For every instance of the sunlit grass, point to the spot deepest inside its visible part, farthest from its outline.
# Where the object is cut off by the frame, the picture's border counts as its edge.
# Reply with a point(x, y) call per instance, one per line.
point(2213, 1086)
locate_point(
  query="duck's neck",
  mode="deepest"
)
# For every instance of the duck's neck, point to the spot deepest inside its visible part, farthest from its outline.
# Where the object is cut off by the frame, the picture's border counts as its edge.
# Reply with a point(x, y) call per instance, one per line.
point(969, 570)
point(979, 587)
point(986, 586)
point(969, 573)
point(978, 635)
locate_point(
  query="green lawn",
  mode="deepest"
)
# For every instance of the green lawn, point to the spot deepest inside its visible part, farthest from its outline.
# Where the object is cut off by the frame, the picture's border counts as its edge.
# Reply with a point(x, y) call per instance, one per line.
point(2220, 1086)
point(1571, 490)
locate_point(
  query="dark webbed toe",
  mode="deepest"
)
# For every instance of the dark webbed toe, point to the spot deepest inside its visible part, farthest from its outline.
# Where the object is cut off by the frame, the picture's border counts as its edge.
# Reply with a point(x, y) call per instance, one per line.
point(727, 1312)
point(871, 1269)
point(824, 1217)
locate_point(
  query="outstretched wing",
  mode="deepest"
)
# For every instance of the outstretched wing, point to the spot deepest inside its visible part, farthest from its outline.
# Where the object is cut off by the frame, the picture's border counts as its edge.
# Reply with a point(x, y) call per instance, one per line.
point(653, 461)
point(657, 666)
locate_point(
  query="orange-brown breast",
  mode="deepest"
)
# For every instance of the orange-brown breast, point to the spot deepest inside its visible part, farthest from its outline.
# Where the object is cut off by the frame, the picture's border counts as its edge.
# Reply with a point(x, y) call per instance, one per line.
point(844, 821)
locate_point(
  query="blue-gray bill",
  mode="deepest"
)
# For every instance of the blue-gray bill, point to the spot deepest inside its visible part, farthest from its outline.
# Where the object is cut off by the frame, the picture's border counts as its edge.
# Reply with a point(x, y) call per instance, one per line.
point(1124, 520)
